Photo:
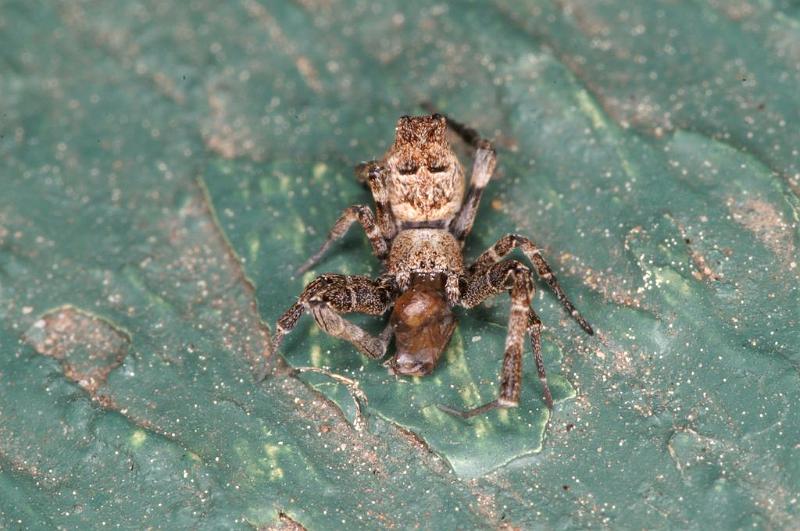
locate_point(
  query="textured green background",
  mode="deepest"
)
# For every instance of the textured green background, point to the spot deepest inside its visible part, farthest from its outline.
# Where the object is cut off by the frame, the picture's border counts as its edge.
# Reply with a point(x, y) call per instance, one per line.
point(166, 167)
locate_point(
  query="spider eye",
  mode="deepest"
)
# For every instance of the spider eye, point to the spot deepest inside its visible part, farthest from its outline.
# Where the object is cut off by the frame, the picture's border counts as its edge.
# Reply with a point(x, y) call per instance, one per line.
point(408, 169)
point(438, 168)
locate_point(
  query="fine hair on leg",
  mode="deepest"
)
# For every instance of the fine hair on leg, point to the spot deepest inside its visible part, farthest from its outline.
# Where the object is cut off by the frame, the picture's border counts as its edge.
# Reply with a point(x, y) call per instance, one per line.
point(508, 243)
point(329, 296)
point(364, 216)
point(478, 288)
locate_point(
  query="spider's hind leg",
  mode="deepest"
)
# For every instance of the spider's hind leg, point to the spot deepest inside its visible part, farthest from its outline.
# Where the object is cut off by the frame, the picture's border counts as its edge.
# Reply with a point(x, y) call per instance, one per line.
point(535, 330)
point(467, 133)
point(508, 243)
point(373, 174)
point(500, 277)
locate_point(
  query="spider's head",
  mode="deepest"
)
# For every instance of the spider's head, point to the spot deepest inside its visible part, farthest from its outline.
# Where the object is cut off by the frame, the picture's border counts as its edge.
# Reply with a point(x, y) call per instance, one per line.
point(426, 178)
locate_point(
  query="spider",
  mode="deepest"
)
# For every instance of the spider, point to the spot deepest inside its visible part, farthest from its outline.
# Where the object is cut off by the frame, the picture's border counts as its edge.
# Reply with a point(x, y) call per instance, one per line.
point(422, 218)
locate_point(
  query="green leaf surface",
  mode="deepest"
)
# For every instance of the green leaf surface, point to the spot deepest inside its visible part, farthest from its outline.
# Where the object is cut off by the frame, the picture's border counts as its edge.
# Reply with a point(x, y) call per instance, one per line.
point(166, 167)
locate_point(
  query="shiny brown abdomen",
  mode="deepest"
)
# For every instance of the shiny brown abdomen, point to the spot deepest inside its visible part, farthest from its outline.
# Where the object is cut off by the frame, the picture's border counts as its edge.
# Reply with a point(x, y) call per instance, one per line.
point(423, 323)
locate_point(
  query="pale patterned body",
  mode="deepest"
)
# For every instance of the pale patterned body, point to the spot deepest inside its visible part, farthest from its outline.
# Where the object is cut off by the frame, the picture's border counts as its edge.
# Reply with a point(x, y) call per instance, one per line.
point(422, 217)
point(424, 251)
point(422, 198)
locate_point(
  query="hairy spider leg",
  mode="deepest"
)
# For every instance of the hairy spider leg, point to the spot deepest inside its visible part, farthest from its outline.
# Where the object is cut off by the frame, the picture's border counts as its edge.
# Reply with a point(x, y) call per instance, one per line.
point(330, 295)
point(511, 241)
point(535, 331)
point(373, 173)
point(364, 216)
point(482, 170)
point(481, 286)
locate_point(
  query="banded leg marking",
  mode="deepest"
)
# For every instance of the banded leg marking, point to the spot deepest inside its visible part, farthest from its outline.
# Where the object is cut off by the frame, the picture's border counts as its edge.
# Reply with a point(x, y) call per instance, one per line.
point(482, 170)
point(330, 295)
point(511, 241)
point(478, 288)
point(374, 175)
point(363, 215)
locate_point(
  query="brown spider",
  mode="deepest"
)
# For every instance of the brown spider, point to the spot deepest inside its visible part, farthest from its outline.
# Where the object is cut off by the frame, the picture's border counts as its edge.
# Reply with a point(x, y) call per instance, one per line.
point(422, 219)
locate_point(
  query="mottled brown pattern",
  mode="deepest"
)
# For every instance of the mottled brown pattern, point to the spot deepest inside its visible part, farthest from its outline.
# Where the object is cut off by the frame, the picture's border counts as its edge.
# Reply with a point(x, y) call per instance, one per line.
point(423, 197)
point(422, 221)
point(424, 251)
point(426, 179)
point(421, 141)
point(508, 243)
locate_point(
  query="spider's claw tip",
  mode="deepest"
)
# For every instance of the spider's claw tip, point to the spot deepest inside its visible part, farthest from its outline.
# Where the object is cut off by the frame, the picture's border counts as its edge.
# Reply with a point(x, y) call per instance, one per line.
point(273, 366)
point(585, 325)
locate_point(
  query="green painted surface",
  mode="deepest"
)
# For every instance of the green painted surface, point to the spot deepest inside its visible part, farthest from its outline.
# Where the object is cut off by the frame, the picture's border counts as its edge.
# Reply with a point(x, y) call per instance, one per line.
point(165, 169)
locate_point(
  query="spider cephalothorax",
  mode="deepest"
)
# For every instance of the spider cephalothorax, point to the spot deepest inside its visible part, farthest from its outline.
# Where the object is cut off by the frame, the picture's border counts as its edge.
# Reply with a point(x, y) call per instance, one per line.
point(422, 217)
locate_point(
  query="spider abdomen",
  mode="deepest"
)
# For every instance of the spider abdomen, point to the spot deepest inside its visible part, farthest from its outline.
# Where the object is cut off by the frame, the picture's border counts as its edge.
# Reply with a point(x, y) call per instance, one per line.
point(423, 323)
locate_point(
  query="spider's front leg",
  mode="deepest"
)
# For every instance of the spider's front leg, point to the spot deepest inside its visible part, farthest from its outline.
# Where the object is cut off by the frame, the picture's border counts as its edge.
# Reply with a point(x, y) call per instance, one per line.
point(477, 288)
point(374, 175)
point(364, 216)
point(330, 295)
point(482, 170)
